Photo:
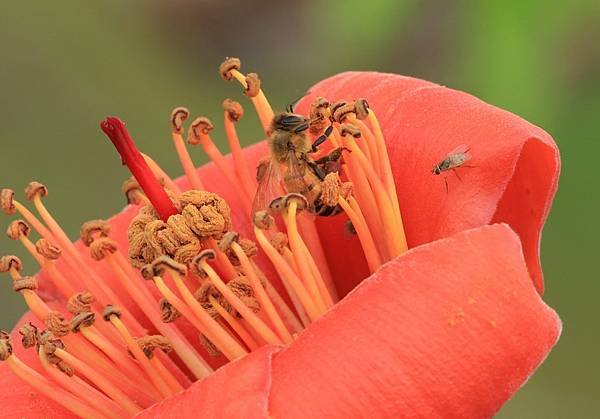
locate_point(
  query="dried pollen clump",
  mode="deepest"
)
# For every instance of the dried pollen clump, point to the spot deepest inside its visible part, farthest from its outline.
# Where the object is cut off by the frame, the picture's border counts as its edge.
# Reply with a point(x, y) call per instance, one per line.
point(203, 215)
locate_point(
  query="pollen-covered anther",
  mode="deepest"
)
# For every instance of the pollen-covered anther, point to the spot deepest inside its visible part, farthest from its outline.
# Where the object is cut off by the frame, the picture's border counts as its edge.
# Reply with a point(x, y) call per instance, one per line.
point(29, 333)
point(47, 250)
point(9, 262)
point(34, 189)
point(57, 324)
point(147, 272)
point(7, 201)
point(210, 347)
point(163, 264)
point(252, 85)
point(349, 129)
point(25, 283)
point(102, 247)
point(203, 294)
point(90, 229)
point(331, 189)
point(227, 239)
point(80, 302)
point(263, 220)
point(234, 109)
point(206, 213)
point(82, 319)
point(178, 116)
point(168, 313)
point(6, 349)
point(230, 63)
point(201, 125)
point(361, 109)
point(319, 115)
point(110, 311)
point(205, 255)
point(65, 368)
point(279, 241)
point(300, 200)
point(17, 229)
point(242, 288)
point(340, 110)
point(148, 344)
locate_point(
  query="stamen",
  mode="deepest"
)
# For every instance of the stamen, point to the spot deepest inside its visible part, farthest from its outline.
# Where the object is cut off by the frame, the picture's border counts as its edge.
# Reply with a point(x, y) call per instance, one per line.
point(234, 323)
point(178, 116)
point(148, 344)
point(253, 320)
point(230, 68)
point(114, 128)
point(113, 315)
point(42, 384)
point(133, 193)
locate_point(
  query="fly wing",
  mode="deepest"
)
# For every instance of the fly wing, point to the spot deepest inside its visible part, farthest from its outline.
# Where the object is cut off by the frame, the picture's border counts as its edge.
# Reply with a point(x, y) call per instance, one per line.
point(269, 178)
point(462, 150)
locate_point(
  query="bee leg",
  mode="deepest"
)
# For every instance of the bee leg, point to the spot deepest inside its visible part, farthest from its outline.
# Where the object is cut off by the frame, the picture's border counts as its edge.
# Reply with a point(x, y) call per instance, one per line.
point(322, 138)
point(317, 169)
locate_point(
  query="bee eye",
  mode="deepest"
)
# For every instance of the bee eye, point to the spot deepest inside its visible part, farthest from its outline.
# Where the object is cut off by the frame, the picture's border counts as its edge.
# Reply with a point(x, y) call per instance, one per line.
point(290, 120)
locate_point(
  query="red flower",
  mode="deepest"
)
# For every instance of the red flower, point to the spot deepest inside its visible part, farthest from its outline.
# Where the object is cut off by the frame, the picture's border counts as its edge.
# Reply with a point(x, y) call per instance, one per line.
point(451, 328)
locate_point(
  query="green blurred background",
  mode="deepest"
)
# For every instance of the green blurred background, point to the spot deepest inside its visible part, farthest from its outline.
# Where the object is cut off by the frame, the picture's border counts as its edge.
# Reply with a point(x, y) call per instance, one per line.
point(65, 67)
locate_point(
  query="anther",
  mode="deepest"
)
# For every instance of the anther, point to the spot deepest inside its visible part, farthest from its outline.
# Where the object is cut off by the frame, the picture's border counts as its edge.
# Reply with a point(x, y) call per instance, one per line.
point(319, 115)
point(29, 333)
point(83, 319)
point(340, 111)
point(168, 313)
point(92, 228)
point(109, 311)
point(102, 247)
point(6, 349)
point(263, 220)
point(361, 108)
point(17, 229)
point(163, 263)
point(34, 189)
point(210, 347)
point(25, 283)
point(279, 241)
point(178, 117)
point(227, 239)
point(331, 188)
point(253, 85)
point(205, 255)
point(7, 201)
point(47, 250)
point(199, 125)
point(148, 344)
point(9, 262)
point(147, 272)
point(57, 324)
point(80, 302)
point(349, 129)
point(230, 63)
point(234, 109)
point(277, 205)
point(132, 191)
point(300, 200)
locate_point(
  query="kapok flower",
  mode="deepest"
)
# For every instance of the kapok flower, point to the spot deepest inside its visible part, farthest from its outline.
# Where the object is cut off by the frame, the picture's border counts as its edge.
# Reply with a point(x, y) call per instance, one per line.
point(193, 302)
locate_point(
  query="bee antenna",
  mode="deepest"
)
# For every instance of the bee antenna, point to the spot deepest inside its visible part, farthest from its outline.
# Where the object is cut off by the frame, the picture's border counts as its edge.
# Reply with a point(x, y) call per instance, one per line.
point(291, 105)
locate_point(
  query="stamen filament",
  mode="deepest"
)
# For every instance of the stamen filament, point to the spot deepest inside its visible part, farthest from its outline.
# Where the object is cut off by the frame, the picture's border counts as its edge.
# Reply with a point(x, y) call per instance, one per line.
point(186, 161)
point(261, 294)
point(48, 389)
point(100, 381)
point(234, 324)
point(166, 375)
point(160, 174)
point(133, 347)
point(260, 102)
point(247, 182)
point(364, 235)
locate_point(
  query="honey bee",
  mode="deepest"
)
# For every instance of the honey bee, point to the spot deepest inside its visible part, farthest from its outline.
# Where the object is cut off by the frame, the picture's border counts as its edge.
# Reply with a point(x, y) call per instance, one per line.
point(453, 160)
point(290, 168)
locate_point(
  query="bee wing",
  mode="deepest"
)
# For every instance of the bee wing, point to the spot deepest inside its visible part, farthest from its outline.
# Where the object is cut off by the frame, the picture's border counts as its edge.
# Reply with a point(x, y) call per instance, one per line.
point(462, 150)
point(270, 185)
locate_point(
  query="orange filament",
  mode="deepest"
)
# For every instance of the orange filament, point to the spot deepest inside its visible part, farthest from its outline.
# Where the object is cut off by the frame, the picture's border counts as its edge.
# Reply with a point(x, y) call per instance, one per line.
point(261, 294)
point(247, 182)
point(234, 324)
point(257, 324)
point(133, 347)
point(160, 174)
point(260, 102)
point(186, 162)
point(50, 390)
point(81, 389)
point(364, 235)
point(102, 382)
point(165, 374)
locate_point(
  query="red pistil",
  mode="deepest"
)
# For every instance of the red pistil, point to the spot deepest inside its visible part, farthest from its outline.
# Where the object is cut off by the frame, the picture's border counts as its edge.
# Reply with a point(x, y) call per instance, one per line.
point(115, 129)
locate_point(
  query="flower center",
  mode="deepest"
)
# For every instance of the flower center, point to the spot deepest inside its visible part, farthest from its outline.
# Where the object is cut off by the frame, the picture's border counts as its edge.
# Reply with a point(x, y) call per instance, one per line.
point(200, 273)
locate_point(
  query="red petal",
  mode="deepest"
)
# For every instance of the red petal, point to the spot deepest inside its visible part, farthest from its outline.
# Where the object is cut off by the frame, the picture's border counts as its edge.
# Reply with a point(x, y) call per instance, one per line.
point(18, 399)
point(449, 329)
point(238, 390)
point(516, 164)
